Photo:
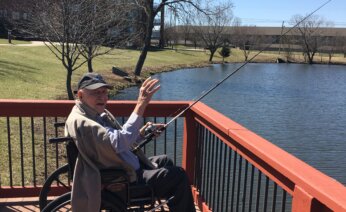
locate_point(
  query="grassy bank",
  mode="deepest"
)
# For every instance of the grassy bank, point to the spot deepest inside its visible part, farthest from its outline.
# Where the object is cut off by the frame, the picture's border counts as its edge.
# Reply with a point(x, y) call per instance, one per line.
point(14, 42)
point(33, 72)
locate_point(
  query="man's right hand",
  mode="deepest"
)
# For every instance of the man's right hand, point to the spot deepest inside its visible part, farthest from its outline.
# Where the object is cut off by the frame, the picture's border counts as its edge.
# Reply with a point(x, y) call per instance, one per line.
point(147, 90)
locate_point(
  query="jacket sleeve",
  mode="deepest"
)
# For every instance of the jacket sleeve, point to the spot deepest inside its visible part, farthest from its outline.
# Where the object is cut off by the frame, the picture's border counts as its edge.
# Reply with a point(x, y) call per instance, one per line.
point(121, 140)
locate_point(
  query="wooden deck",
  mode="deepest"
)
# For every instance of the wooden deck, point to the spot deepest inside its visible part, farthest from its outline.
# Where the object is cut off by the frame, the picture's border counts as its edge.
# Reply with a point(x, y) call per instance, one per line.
point(19, 204)
point(29, 205)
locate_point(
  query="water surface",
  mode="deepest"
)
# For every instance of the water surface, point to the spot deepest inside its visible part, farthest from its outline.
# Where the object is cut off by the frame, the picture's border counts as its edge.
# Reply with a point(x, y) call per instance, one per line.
point(300, 108)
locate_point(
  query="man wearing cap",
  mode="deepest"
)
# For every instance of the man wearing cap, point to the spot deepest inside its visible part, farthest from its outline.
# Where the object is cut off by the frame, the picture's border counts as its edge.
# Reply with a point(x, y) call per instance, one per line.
point(102, 143)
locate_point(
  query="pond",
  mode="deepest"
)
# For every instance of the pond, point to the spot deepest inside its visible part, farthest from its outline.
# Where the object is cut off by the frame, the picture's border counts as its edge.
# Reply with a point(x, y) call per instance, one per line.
point(300, 108)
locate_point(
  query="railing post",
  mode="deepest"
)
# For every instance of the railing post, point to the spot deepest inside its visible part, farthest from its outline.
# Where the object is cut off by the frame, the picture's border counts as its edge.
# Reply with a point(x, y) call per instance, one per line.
point(189, 145)
point(304, 202)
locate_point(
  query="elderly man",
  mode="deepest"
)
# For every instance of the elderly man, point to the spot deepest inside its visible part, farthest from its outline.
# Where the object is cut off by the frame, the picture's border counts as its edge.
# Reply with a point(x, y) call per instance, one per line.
point(103, 145)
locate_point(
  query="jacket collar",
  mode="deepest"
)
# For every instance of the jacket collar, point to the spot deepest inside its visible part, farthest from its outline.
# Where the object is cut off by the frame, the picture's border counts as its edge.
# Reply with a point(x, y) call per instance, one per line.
point(85, 110)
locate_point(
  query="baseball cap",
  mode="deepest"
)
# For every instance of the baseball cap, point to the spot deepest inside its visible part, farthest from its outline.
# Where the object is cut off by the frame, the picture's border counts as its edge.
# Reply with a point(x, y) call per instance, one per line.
point(92, 81)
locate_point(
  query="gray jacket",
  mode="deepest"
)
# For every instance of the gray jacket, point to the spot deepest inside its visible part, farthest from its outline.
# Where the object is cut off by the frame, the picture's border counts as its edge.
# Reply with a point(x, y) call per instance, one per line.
point(95, 153)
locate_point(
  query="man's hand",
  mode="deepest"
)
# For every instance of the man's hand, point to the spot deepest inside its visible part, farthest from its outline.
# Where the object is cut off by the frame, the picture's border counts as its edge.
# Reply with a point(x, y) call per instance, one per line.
point(146, 92)
point(150, 127)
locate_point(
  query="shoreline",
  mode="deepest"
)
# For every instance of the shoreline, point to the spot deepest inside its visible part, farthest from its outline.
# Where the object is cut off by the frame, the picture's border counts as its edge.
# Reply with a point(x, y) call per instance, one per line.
point(121, 83)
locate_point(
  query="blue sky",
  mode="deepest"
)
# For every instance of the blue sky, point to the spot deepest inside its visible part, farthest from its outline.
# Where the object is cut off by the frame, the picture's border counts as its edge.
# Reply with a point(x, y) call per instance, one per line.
point(273, 12)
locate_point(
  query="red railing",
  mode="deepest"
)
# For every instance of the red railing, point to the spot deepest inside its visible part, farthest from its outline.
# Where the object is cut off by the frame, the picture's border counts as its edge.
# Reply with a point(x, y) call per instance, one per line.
point(309, 189)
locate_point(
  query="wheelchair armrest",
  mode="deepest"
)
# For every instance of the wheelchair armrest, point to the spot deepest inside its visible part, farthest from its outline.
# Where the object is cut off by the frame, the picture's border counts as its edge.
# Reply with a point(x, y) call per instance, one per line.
point(114, 175)
point(60, 139)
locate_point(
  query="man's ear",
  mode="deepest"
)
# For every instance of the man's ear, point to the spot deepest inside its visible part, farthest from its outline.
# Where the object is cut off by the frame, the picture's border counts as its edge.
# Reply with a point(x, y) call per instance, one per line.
point(79, 94)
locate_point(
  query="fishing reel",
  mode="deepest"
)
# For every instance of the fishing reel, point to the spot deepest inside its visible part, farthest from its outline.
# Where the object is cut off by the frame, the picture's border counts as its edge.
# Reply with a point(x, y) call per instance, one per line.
point(149, 131)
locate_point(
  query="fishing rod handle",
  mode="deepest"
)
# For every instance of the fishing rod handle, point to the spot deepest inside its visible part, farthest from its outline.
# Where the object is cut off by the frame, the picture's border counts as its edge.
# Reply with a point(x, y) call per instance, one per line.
point(148, 136)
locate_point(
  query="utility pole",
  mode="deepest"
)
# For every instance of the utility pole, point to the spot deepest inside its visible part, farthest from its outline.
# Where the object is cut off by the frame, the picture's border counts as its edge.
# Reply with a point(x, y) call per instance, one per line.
point(282, 29)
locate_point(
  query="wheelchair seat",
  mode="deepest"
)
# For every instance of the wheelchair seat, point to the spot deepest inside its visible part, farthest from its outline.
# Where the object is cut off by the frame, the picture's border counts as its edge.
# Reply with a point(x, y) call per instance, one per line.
point(117, 193)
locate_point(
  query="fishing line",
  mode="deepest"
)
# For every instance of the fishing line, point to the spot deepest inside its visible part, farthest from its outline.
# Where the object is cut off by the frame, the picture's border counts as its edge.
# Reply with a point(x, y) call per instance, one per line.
point(150, 131)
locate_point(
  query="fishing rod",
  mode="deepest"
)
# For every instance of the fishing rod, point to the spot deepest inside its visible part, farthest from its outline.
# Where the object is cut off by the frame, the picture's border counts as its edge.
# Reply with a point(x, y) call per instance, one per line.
point(151, 130)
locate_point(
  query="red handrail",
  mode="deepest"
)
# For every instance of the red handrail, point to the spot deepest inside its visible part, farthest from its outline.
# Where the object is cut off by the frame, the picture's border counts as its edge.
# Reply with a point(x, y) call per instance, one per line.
point(311, 190)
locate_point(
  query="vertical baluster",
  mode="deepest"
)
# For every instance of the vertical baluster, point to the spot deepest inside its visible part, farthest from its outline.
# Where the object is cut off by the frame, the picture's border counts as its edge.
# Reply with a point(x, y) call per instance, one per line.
point(233, 178)
point(21, 149)
point(224, 175)
point(207, 142)
point(215, 159)
point(33, 150)
point(45, 147)
point(202, 172)
point(219, 177)
point(239, 181)
point(165, 136)
point(211, 167)
point(283, 202)
point(56, 145)
point(9, 150)
point(144, 147)
point(258, 190)
point(213, 176)
point(251, 186)
point(274, 196)
point(266, 194)
point(175, 141)
point(229, 175)
point(155, 142)
point(200, 158)
point(244, 185)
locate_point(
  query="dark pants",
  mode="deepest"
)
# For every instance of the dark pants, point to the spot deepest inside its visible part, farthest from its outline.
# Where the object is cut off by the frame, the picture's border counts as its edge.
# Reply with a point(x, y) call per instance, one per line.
point(169, 180)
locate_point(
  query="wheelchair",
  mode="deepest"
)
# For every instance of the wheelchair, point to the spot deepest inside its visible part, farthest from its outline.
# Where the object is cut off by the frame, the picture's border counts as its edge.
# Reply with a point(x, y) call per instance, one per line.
point(117, 193)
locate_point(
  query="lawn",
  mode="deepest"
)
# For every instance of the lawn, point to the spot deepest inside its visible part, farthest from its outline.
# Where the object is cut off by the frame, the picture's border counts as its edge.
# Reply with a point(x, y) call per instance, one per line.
point(5, 41)
point(33, 72)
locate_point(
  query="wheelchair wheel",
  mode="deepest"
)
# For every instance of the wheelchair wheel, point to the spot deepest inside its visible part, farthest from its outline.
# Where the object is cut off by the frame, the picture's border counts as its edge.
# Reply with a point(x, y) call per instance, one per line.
point(62, 203)
point(58, 177)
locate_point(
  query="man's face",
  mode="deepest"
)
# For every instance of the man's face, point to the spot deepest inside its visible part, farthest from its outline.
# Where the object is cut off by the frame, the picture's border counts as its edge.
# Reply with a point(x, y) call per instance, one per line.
point(96, 99)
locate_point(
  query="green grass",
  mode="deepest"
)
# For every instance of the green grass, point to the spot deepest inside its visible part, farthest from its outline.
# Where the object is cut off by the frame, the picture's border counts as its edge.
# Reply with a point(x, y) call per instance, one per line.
point(35, 73)
point(5, 41)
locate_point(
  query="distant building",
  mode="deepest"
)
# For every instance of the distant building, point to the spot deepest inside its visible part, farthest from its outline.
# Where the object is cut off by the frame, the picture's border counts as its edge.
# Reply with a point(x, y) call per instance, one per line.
point(264, 35)
point(12, 11)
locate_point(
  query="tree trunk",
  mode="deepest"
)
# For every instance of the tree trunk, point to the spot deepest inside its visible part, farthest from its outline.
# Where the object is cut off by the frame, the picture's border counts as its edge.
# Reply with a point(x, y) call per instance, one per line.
point(90, 65)
point(212, 52)
point(68, 84)
point(162, 28)
point(145, 49)
point(311, 58)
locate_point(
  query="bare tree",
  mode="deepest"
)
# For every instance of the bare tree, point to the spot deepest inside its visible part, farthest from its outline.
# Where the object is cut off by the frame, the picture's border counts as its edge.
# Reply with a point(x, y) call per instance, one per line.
point(73, 29)
point(151, 11)
point(212, 29)
point(330, 47)
point(287, 47)
point(111, 24)
point(310, 34)
point(244, 37)
point(186, 29)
